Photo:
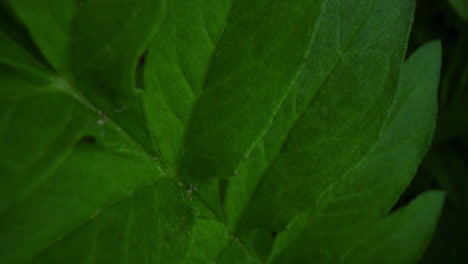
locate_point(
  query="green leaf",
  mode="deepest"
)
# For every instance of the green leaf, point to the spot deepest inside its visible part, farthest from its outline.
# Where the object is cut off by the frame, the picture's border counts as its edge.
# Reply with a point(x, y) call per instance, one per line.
point(461, 7)
point(346, 209)
point(447, 164)
point(326, 132)
point(49, 24)
point(403, 236)
point(200, 132)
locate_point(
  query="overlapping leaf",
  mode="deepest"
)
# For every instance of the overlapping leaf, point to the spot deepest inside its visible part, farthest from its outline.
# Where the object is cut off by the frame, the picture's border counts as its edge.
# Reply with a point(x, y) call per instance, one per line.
point(235, 138)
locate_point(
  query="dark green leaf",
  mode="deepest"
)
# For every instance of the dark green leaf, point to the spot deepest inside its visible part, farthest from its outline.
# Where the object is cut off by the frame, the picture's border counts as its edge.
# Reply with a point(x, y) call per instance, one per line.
point(461, 6)
point(403, 236)
point(347, 208)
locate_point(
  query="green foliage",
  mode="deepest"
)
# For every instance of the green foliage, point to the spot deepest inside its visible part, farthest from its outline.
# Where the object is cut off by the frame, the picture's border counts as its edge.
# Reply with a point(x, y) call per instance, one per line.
point(446, 163)
point(213, 132)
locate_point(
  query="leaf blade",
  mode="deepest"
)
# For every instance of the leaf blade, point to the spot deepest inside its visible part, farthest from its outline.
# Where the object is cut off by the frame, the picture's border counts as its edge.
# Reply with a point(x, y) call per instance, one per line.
point(403, 236)
point(369, 190)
